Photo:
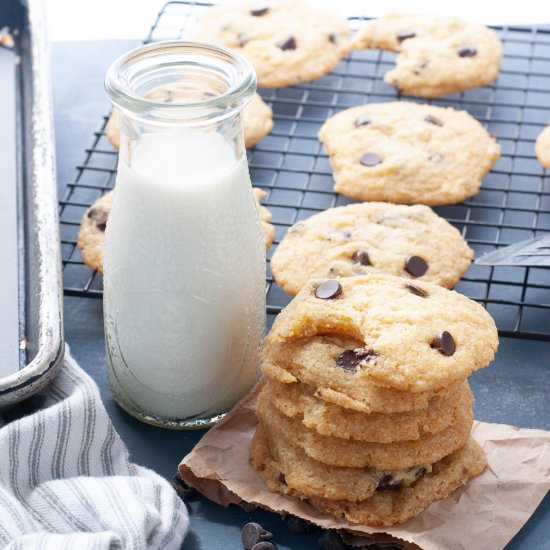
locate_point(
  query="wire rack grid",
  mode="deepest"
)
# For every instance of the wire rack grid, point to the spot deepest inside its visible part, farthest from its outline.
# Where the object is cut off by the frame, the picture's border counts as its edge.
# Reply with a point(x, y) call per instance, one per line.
point(290, 164)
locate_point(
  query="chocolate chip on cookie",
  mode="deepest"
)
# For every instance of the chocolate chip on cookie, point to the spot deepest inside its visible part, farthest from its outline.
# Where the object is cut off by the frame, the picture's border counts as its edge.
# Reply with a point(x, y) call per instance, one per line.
point(466, 51)
point(416, 290)
point(361, 256)
point(362, 121)
point(282, 479)
point(350, 359)
point(339, 234)
point(433, 120)
point(370, 159)
point(436, 157)
point(288, 44)
point(403, 35)
point(389, 482)
point(416, 266)
point(99, 217)
point(333, 38)
point(444, 343)
point(328, 290)
point(259, 11)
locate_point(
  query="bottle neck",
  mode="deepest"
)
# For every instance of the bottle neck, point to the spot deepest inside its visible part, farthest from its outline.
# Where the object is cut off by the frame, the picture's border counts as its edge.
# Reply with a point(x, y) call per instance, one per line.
point(182, 95)
point(180, 83)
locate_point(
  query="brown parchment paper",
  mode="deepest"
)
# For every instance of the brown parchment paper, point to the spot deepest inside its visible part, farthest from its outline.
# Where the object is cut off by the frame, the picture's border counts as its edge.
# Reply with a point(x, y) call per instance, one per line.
point(486, 513)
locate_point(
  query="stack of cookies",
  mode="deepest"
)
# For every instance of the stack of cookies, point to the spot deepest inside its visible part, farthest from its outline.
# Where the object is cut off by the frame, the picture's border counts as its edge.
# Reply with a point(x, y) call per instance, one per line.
point(366, 412)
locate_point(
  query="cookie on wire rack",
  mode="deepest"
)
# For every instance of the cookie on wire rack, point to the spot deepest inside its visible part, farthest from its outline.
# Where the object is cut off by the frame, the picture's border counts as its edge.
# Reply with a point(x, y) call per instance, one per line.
point(437, 55)
point(405, 152)
point(287, 41)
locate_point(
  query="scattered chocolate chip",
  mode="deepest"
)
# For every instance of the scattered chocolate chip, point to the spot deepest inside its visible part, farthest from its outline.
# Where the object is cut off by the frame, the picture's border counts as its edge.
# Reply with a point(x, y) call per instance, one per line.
point(328, 290)
point(282, 479)
point(259, 11)
point(403, 35)
point(466, 51)
point(444, 343)
point(433, 120)
point(252, 534)
point(416, 266)
point(362, 120)
point(398, 88)
point(436, 157)
point(349, 360)
point(263, 546)
point(370, 159)
point(361, 256)
point(300, 526)
point(330, 540)
point(184, 491)
point(415, 290)
point(288, 44)
point(92, 213)
point(389, 482)
point(332, 37)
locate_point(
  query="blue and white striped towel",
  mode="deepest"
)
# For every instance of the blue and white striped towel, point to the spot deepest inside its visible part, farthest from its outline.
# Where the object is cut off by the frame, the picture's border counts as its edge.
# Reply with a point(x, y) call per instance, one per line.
point(66, 481)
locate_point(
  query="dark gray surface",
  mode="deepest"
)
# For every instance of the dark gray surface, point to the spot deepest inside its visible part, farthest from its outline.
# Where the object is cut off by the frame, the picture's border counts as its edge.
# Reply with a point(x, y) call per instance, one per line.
point(515, 389)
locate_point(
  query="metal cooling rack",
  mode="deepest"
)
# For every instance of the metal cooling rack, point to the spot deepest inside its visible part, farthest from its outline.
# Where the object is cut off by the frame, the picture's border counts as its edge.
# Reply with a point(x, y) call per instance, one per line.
point(514, 202)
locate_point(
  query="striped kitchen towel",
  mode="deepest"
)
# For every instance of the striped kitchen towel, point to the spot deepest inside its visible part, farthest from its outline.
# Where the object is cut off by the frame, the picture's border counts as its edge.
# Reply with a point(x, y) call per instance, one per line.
point(66, 481)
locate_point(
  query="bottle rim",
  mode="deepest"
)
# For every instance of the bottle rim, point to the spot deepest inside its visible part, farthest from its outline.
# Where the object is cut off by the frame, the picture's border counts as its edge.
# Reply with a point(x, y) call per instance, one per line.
point(142, 65)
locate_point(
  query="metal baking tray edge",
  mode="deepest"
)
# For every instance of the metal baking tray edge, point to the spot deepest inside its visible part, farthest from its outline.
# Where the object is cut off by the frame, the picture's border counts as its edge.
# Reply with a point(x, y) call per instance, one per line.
point(43, 340)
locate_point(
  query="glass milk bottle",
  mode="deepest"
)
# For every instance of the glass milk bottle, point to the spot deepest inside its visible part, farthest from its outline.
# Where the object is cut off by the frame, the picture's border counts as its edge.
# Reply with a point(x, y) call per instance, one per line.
point(184, 263)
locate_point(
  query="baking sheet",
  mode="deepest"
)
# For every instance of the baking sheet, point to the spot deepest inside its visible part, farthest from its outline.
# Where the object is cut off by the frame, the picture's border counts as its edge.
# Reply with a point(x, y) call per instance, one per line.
point(9, 225)
point(31, 331)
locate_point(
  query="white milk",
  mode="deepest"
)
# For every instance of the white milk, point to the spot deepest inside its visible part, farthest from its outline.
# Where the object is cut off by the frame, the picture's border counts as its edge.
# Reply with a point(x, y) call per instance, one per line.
point(184, 278)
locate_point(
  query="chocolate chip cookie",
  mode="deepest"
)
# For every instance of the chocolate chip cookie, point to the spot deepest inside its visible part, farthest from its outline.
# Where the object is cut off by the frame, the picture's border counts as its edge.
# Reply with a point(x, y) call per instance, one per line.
point(344, 335)
point(542, 147)
point(257, 118)
point(389, 505)
point(287, 41)
point(91, 237)
point(409, 241)
point(299, 401)
point(405, 152)
point(299, 472)
point(437, 55)
point(335, 451)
